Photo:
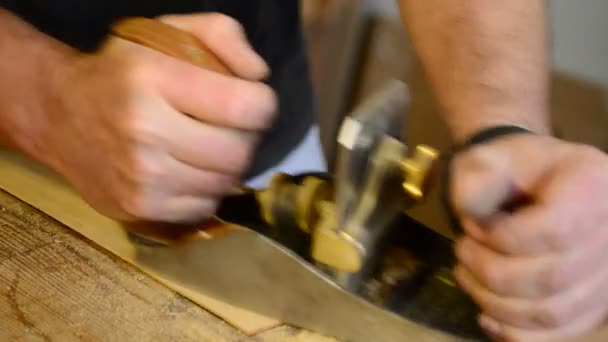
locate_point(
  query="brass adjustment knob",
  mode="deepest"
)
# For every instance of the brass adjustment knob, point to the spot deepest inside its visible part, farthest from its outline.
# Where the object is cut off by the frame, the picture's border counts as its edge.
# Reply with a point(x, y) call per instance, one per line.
point(418, 171)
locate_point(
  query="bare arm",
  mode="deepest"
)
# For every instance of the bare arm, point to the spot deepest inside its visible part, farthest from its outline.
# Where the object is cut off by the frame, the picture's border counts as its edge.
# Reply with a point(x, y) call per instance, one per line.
point(30, 63)
point(486, 60)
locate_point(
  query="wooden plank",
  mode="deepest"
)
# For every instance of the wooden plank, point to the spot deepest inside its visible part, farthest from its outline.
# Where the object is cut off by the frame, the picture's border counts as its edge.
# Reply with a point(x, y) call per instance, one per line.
point(42, 189)
point(56, 286)
point(290, 334)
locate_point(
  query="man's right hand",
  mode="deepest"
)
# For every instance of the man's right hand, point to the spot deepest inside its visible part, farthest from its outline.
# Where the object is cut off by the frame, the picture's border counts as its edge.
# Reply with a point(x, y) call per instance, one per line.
point(116, 126)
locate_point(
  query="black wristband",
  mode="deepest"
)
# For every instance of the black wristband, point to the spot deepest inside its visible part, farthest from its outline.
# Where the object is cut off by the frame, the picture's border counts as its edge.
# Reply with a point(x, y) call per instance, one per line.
point(484, 136)
point(491, 133)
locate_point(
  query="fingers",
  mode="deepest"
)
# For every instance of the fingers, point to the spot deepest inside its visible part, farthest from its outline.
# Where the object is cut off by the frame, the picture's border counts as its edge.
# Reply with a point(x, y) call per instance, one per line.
point(239, 102)
point(530, 231)
point(481, 183)
point(580, 325)
point(218, 99)
point(548, 313)
point(162, 204)
point(190, 181)
point(226, 38)
point(555, 220)
point(529, 277)
point(534, 269)
point(207, 147)
point(487, 176)
point(176, 192)
point(538, 229)
point(173, 137)
point(186, 209)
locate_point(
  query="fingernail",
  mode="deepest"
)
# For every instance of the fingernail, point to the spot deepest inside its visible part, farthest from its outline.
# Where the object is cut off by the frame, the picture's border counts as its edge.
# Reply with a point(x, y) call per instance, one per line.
point(490, 325)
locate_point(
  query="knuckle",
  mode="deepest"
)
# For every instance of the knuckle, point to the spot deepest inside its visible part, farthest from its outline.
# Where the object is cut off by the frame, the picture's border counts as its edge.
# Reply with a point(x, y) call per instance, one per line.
point(550, 315)
point(138, 71)
point(142, 173)
point(590, 164)
point(135, 205)
point(590, 152)
point(490, 276)
point(222, 22)
point(142, 129)
point(151, 171)
point(269, 104)
point(239, 163)
point(559, 237)
point(555, 278)
point(464, 163)
point(208, 208)
point(138, 179)
point(237, 108)
point(251, 105)
point(222, 184)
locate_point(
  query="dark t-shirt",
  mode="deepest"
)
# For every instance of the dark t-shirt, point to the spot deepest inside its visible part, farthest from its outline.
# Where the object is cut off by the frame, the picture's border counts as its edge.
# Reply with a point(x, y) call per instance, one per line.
point(272, 26)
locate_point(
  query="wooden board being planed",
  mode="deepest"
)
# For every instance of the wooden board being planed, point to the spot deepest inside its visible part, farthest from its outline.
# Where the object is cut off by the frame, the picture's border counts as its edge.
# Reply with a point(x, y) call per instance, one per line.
point(57, 286)
point(48, 193)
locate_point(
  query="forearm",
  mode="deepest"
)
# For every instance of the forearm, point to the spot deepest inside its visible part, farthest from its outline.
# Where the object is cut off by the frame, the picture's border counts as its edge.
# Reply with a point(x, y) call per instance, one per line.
point(30, 62)
point(487, 61)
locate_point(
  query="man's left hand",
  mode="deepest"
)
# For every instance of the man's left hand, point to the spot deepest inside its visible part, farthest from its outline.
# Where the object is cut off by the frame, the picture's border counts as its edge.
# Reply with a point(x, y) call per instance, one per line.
point(535, 214)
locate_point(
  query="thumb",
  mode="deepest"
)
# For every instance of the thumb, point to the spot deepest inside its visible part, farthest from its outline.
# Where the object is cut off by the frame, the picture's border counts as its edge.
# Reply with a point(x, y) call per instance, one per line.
point(481, 182)
point(500, 176)
point(225, 37)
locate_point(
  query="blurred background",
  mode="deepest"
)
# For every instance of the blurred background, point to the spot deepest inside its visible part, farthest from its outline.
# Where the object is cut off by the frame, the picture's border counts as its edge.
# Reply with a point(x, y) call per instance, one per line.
point(355, 45)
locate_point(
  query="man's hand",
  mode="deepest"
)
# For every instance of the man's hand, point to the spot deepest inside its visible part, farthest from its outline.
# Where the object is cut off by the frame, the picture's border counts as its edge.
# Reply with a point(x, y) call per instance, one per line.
point(536, 268)
point(144, 136)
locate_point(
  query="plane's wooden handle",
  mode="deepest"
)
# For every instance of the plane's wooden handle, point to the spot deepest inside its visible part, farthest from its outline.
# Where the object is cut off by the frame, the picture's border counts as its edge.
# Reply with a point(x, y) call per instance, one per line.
point(177, 43)
point(169, 40)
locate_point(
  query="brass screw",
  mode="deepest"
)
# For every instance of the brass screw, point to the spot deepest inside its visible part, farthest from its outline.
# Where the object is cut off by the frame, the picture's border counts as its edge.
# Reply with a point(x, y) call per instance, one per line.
point(417, 171)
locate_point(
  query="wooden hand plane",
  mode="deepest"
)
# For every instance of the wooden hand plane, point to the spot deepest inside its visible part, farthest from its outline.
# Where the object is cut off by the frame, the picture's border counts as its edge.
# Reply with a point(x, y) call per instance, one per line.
point(329, 252)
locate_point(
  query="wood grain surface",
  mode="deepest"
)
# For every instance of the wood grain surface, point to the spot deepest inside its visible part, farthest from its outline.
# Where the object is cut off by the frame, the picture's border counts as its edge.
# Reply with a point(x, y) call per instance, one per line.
point(57, 286)
point(44, 190)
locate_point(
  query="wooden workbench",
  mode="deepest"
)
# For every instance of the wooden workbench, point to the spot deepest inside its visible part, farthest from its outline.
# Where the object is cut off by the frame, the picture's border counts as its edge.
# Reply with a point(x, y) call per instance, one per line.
point(57, 286)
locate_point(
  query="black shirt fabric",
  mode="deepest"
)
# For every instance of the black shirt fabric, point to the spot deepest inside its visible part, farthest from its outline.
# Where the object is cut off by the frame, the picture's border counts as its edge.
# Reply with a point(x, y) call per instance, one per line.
point(272, 26)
